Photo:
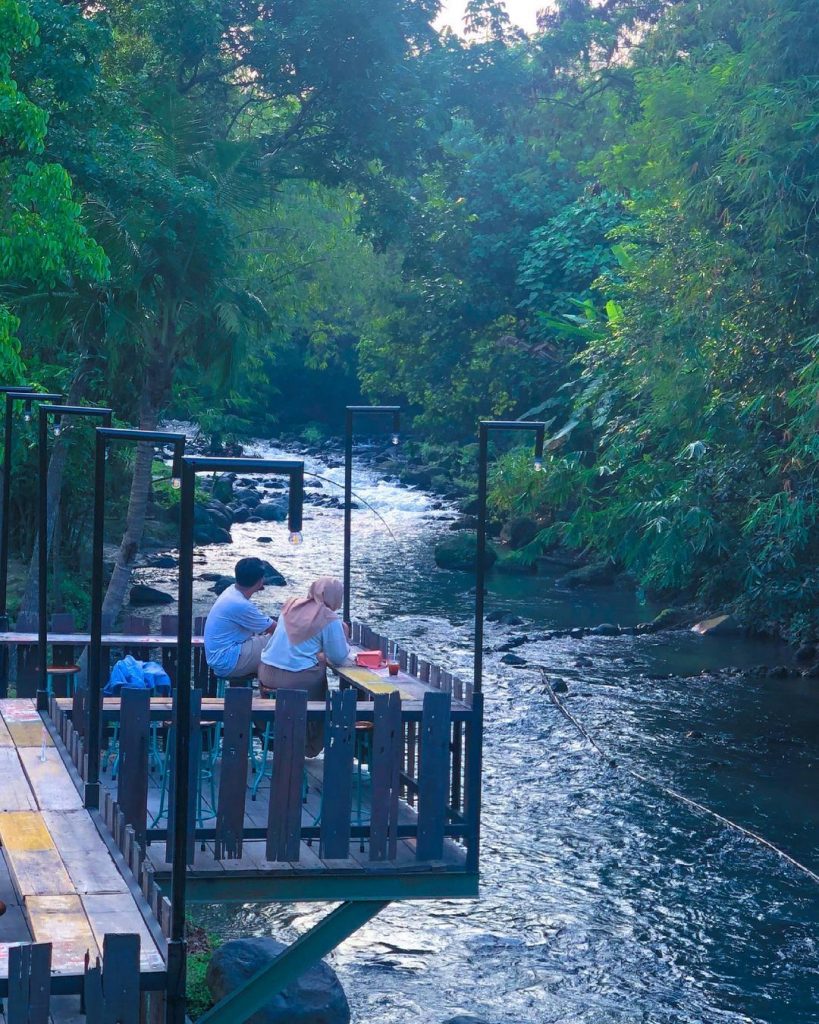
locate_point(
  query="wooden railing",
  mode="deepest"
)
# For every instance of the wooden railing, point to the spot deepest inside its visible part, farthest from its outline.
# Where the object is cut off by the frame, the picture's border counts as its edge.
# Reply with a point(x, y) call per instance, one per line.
point(417, 776)
point(110, 986)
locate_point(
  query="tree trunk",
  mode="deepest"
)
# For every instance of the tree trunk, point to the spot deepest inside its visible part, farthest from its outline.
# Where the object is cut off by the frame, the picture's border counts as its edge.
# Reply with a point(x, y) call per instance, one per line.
point(137, 510)
point(56, 468)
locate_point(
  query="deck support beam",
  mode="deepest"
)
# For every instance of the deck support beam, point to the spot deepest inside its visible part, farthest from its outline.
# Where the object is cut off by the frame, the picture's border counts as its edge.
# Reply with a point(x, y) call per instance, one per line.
point(292, 962)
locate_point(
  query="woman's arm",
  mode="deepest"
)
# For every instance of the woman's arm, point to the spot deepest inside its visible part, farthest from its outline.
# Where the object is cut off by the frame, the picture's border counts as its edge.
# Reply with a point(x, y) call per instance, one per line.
point(334, 643)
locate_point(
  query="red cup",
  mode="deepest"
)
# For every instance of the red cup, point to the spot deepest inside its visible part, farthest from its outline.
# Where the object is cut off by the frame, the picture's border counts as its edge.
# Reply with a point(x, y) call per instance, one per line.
point(392, 667)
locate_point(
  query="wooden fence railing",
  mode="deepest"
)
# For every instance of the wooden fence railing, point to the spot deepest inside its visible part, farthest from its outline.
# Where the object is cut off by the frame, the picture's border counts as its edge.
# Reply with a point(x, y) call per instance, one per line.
point(417, 763)
point(110, 986)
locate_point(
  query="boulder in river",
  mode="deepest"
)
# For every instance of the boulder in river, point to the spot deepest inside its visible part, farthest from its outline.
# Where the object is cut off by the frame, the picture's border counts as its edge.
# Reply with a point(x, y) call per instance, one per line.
point(513, 659)
point(272, 511)
point(605, 629)
point(518, 532)
point(316, 997)
point(264, 540)
point(719, 625)
point(162, 562)
point(222, 584)
point(208, 533)
point(142, 594)
point(559, 686)
point(465, 1018)
point(805, 653)
point(272, 576)
point(464, 523)
point(461, 552)
point(594, 575)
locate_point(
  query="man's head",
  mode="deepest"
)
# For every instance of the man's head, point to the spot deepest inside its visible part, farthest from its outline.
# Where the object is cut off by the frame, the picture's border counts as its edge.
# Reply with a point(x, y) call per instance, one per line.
point(250, 575)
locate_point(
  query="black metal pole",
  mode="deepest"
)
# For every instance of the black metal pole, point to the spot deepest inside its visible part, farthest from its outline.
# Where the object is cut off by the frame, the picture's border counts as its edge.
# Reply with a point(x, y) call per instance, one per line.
point(176, 1004)
point(93, 738)
point(42, 560)
point(105, 435)
point(96, 412)
point(13, 395)
point(350, 413)
point(480, 553)
point(348, 512)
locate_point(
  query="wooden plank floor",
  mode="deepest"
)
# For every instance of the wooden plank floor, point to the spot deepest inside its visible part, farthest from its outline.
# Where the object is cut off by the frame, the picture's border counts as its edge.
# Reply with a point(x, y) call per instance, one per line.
point(253, 859)
point(57, 878)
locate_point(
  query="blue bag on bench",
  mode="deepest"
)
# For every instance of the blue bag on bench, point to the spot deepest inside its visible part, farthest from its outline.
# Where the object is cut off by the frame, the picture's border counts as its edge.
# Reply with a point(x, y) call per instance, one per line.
point(129, 673)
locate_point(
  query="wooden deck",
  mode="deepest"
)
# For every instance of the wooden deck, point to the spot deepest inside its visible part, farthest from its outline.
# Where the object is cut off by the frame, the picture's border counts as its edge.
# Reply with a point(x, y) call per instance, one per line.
point(390, 823)
point(58, 876)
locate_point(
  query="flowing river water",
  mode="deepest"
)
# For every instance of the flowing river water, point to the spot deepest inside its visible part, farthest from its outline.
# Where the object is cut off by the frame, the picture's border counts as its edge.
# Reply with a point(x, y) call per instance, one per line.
point(603, 901)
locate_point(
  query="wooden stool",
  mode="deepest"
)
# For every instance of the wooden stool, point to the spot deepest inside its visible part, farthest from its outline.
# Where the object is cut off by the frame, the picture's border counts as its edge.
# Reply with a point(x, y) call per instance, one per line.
point(67, 672)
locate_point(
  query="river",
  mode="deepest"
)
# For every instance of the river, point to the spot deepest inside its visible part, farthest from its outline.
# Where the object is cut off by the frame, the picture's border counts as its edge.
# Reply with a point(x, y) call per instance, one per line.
point(603, 901)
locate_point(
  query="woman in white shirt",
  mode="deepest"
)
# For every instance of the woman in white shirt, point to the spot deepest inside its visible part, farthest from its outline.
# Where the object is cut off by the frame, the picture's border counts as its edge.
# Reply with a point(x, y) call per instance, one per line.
point(308, 637)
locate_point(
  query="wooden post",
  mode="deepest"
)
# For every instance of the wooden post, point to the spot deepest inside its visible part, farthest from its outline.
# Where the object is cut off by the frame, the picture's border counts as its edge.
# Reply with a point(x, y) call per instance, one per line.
point(236, 737)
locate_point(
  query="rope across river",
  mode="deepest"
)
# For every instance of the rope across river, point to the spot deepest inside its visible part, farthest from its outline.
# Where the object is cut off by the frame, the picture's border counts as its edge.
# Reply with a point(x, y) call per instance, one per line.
point(667, 791)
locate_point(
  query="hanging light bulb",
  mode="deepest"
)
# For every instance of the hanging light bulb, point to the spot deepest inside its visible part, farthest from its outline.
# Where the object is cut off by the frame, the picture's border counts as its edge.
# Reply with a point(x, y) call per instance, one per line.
point(296, 537)
point(538, 463)
point(57, 428)
point(27, 414)
point(176, 483)
point(395, 438)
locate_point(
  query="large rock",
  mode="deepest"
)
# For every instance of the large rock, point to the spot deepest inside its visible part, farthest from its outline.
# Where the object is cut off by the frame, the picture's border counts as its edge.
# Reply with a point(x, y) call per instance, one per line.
point(466, 1018)
point(464, 523)
point(272, 576)
point(596, 574)
point(209, 533)
point(517, 533)
point(143, 594)
point(222, 584)
point(461, 552)
point(316, 997)
point(162, 562)
point(719, 625)
point(273, 511)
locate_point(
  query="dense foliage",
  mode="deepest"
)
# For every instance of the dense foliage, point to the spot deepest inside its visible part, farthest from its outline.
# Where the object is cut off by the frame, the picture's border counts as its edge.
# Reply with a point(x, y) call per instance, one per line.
point(251, 214)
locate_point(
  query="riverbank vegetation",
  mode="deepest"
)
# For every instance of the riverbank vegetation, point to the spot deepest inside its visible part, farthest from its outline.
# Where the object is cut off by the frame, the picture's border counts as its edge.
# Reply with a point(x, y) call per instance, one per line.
point(252, 217)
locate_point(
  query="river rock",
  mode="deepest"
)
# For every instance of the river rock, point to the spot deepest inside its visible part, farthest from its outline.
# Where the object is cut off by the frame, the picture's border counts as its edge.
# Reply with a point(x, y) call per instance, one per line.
point(223, 489)
point(241, 513)
point(518, 532)
point(222, 584)
point(577, 633)
point(466, 1018)
point(316, 997)
point(416, 476)
point(162, 562)
point(668, 618)
point(596, 574)
point(143, 594)
point(464, 523)
point(559, 686)
point(248, 498)
point(272, 576)
point(272, 511)
point(264, 540)
point(805, 653)
point(513, 659)
point(510, 619)
point(719, 625)
point(516, 641)
point(209, 533)
point(460, 552)
point(605, 629)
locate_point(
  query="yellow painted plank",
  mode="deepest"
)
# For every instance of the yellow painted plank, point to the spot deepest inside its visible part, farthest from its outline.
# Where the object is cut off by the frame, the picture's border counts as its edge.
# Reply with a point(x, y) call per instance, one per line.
point(49, 779)
point(61, 921)
point(360, 675)
point(24, 830)
point(29, 734)
point(35, 866)
point(15, 792)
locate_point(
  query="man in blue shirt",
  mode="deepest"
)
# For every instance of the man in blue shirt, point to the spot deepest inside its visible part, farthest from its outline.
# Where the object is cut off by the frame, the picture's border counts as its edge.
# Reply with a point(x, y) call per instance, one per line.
point(236, 631)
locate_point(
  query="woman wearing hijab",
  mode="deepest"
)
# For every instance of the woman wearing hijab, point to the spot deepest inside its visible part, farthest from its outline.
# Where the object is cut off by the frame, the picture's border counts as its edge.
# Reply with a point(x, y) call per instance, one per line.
point(308, 637)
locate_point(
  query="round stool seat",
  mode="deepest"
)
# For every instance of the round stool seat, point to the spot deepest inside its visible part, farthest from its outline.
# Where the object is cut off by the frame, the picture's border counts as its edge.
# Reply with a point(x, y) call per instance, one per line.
point(66, 672)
